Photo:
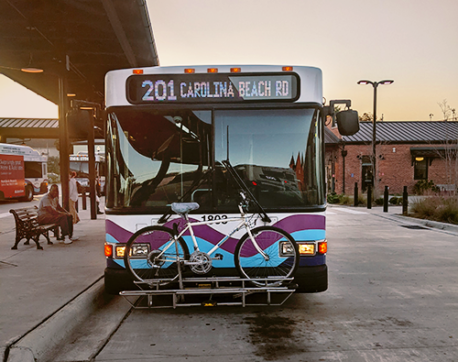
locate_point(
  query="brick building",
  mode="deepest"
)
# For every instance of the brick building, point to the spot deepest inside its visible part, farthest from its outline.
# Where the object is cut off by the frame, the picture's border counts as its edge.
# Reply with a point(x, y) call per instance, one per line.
point(406, 153)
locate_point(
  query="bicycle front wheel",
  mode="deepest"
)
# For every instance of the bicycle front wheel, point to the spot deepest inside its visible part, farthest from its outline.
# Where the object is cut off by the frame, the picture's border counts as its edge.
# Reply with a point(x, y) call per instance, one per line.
point(280, 259)
point(152, 255)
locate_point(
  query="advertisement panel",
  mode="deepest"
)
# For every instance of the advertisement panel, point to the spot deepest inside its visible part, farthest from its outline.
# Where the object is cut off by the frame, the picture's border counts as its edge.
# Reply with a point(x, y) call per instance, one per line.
point(12, 182)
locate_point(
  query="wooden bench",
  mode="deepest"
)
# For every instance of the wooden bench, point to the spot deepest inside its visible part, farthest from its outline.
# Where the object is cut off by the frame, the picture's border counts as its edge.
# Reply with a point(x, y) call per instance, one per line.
point(28, 228)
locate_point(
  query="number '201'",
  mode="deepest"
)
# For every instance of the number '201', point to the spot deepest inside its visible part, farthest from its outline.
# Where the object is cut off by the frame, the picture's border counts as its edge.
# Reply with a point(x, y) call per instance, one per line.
point(159, 90)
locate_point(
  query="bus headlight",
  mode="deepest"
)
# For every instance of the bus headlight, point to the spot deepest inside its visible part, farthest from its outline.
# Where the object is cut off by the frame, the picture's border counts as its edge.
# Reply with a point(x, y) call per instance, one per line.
point(137, 250)
point(306, 248)
point(286, 249)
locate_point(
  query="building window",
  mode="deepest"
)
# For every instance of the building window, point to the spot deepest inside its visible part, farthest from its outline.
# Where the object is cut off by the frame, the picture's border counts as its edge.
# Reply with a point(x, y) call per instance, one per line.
point(420, 168)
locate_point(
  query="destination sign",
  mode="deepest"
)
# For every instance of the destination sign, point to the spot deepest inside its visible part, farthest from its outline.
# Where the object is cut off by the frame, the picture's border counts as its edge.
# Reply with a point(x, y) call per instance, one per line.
point(214, 88)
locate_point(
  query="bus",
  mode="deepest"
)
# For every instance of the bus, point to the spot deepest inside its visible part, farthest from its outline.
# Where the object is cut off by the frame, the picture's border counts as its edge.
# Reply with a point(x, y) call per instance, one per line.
point(79, 163)
point(23, 172)
point(169, 130)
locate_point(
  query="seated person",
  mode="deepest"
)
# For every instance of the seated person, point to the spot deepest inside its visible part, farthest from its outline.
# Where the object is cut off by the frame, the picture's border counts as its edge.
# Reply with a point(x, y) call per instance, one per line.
point(50, 212)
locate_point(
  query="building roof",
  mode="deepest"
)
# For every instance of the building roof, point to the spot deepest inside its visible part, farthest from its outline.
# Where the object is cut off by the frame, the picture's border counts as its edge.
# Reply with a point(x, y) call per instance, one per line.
point(329, 137)
point(406, 132)
point(29, 128)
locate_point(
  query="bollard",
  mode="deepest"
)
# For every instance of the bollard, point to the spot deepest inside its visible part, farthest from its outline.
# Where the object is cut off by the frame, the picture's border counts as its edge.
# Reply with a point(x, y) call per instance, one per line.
point(355, 197)
point(385, 199)
point(369, 196)
point(405, 201)
point(83, 196)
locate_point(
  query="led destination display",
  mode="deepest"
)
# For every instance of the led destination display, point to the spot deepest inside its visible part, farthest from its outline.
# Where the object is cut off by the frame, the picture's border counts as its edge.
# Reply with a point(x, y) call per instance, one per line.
point(216, 88)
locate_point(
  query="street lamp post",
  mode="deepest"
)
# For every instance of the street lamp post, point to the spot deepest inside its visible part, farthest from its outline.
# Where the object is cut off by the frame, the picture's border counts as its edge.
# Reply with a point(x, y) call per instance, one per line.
point(374, 125)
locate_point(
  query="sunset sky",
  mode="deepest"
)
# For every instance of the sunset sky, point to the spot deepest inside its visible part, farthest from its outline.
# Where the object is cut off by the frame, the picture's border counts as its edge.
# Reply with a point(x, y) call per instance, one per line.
point(414, 43)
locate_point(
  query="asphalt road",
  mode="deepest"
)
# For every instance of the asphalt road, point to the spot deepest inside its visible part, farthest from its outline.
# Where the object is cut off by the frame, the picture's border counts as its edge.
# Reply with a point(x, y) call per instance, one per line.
point(393, 296)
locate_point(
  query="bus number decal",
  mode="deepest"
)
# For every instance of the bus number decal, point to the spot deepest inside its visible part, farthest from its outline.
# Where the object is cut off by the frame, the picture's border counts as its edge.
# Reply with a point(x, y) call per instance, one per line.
point(160, 89)
point(215, 217)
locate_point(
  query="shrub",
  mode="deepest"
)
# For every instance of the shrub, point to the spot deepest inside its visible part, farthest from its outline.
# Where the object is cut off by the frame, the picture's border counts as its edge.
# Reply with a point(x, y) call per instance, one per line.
point(396, 200)
point(345, 200)
point(333, 198)
point(437, 208)
point(379, 201)
point(424, 185)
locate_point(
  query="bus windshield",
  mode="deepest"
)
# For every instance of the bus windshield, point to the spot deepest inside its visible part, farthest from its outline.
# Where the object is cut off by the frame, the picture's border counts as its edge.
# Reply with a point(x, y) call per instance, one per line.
point(160, 157)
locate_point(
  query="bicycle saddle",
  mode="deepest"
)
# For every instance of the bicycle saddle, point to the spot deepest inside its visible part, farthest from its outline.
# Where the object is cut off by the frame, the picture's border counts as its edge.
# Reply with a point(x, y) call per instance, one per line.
point(184, 207)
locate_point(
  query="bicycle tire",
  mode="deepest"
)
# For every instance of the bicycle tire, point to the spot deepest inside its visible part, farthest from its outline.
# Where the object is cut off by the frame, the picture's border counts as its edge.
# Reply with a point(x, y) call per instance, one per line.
point(252, 265)
point(146, 269)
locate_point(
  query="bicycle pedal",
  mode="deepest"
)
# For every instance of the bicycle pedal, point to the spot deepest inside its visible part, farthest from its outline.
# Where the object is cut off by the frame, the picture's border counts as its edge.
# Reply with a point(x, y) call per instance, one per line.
point(218, 257)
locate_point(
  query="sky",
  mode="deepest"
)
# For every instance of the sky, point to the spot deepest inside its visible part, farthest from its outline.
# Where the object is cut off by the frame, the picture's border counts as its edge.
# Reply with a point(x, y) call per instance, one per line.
point(413, 42)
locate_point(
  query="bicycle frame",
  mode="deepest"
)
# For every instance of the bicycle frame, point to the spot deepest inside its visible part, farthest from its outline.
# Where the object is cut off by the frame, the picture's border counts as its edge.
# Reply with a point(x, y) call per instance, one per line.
point(243, 223)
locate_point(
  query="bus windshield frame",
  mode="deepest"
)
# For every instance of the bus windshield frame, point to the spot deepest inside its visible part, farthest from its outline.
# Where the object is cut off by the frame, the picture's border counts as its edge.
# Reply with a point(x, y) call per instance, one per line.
point(160, 155)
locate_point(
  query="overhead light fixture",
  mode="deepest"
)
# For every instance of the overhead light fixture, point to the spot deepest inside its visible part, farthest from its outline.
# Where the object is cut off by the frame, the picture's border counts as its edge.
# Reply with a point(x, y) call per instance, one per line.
point(32, 70)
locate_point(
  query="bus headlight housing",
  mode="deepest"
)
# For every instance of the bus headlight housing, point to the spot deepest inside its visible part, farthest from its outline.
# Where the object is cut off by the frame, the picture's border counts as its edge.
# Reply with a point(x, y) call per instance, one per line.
point(137, 250)
point(286, 249)
point(306, 248)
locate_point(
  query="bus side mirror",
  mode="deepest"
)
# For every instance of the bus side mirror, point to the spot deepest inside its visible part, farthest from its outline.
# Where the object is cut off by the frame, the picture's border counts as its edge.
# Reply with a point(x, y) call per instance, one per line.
point(348, 122)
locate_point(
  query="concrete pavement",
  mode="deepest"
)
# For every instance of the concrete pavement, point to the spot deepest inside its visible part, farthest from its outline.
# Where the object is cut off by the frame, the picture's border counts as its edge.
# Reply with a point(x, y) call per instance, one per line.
point(45, 294)
point(35, 284)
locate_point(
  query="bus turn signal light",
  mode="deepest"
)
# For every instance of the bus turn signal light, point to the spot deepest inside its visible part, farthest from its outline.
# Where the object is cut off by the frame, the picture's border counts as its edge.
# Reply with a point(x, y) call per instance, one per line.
point(323, 247)
point(108, 250)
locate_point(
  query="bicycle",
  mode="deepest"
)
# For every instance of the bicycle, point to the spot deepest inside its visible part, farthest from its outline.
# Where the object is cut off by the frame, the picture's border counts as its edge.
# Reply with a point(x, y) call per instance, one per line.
point(266, 255)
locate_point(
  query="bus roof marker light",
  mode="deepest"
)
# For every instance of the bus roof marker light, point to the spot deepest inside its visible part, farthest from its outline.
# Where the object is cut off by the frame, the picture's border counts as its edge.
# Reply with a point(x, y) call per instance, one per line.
point(287, 69)
point(137, 71)
point(189, 70)
point(236, 70)
point(212, 70)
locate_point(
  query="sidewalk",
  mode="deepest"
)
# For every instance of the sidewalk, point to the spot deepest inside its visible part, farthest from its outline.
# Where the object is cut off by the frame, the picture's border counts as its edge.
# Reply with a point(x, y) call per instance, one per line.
point(34, 284)
point(395, 213)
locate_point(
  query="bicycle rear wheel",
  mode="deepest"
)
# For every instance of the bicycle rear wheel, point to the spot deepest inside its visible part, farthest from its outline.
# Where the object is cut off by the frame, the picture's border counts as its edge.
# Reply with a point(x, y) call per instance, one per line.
point(146, 260)
point(282, 256)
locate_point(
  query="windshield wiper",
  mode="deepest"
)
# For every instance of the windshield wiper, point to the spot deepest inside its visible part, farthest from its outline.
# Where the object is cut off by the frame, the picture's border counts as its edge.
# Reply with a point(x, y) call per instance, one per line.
point(243, 187)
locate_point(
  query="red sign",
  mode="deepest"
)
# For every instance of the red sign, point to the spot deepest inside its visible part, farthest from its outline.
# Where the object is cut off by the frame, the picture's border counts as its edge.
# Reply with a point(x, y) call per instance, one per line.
point(12, 182)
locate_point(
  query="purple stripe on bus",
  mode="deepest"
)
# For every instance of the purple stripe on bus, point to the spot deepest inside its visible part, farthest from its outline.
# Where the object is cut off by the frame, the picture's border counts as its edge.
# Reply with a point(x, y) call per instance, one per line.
point(295, 223)
point(116, 231)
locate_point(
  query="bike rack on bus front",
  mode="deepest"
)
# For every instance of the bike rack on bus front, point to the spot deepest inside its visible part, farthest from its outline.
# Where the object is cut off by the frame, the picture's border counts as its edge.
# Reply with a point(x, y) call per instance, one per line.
point(213, 287)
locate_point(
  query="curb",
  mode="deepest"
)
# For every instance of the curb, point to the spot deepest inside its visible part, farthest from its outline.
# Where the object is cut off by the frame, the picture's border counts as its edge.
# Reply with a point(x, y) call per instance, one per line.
point(37, 345)
point(430, 223)
point(448, 228)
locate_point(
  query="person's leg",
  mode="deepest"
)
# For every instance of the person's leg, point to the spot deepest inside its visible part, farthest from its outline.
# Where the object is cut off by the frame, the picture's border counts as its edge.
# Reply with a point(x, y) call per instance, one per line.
point(72, 205)
point(64, 225)
point(70, 225)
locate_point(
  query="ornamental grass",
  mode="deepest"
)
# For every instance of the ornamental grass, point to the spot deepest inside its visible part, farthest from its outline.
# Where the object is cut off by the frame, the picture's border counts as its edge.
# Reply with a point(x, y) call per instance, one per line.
point(437, 208)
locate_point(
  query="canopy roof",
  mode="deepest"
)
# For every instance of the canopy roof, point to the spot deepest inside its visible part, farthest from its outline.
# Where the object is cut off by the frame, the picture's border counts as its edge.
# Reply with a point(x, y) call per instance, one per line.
point(77, 39)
